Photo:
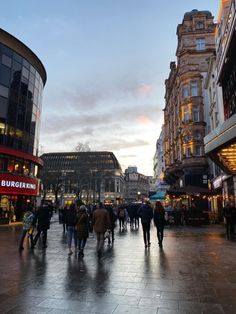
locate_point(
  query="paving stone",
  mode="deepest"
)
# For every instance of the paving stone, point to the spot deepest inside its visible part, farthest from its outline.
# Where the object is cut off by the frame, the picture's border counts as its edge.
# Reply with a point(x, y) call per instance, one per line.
point(193, 273)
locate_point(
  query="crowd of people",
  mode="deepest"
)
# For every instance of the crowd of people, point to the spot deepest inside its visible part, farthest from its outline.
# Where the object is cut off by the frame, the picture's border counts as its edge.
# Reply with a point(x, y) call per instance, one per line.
point(79, 221)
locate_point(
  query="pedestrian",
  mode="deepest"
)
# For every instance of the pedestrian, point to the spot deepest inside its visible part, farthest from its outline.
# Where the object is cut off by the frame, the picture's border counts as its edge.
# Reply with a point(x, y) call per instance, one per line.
point(28, 221)
point(82, 228)
point(229, 213)
point(113, 218)
point(42, 219)
point(121, 217)
point(71, 221)
point(145, 212)
point(101, 223)
point(63, 212)
point(159, 221)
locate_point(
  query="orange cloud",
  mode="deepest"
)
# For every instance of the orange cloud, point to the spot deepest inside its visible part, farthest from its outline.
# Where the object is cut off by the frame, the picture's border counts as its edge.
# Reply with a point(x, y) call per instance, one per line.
point(144, 120)
point(145, 89)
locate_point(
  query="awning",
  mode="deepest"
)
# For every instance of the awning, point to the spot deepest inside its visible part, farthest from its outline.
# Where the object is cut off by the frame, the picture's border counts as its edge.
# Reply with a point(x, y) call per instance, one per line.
point(159, 195)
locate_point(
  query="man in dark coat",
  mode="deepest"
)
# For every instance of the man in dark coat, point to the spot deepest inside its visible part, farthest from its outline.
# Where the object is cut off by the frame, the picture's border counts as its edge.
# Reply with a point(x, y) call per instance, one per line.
point(229, 212)
point(42, 219)
point(145, 212)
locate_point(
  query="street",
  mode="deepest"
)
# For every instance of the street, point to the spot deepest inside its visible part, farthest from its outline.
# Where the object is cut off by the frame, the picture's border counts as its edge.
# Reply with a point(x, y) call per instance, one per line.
point(194, 273)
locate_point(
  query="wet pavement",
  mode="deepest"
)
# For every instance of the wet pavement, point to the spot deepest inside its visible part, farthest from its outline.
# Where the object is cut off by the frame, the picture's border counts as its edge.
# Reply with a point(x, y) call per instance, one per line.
point(195, 272)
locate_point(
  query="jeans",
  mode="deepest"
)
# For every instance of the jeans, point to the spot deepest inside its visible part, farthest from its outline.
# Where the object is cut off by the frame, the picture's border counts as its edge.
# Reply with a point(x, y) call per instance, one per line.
point(71, 233)
point(146, 232)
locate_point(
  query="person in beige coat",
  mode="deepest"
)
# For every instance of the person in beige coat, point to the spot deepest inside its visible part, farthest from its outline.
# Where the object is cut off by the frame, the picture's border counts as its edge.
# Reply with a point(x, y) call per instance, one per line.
point(101, 222)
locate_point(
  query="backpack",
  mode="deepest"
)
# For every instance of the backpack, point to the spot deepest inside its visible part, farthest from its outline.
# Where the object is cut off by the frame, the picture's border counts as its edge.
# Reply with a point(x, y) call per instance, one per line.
point(27, 220)
point(121, 213)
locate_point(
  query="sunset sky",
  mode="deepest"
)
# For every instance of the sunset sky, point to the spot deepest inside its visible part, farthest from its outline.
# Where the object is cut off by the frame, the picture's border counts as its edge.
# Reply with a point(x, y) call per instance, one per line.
point(106, 61)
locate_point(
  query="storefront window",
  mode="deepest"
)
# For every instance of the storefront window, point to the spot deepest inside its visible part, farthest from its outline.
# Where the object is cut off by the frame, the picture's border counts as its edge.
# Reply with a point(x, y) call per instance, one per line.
point(10, 165)
point(26, 168)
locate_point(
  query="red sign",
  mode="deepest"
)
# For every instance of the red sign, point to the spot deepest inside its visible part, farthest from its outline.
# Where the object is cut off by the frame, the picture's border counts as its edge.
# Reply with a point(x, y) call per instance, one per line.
point(12, 184)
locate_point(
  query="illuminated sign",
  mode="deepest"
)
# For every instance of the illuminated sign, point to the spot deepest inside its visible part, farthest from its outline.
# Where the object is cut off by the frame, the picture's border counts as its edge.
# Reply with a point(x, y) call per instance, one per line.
point(12, 184)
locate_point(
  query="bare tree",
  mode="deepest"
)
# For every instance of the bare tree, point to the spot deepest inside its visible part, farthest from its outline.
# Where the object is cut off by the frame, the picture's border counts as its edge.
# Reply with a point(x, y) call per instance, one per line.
point(82, 147)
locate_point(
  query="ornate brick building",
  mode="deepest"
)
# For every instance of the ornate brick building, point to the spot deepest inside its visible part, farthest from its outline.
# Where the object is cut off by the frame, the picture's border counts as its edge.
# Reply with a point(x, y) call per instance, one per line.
point(185, 119)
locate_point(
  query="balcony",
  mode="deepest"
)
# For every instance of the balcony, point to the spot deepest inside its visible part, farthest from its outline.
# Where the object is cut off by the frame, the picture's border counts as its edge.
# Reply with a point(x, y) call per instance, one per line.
point(194, 161)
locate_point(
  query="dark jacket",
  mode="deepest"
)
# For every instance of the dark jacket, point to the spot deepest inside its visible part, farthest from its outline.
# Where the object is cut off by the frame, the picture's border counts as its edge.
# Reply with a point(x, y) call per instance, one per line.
point(82, 225)
point(42, 217)
point(145, 212)
point(159, 218)
point(71, 218)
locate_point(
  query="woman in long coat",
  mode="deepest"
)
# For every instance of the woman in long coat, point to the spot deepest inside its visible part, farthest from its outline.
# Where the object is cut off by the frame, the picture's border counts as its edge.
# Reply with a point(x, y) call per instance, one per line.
point(82, 228)
point(159, 221)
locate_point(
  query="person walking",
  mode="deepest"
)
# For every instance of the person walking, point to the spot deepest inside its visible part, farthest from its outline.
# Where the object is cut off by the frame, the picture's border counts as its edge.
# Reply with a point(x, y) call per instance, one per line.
point(101, 222)
point(28, 221)
point(145, 212)
point(229, 213)
point(82, 228)
point(42, 219)
point(71, 221)
point(159, 221)
point(113, 217)
point(121, 216)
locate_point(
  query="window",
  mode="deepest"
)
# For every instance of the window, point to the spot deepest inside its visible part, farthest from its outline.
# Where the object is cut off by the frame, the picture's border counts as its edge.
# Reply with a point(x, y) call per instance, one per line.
point(195, 114)
point(5, 75)
point(200, 44)
point(188, 152)
point(198, 150)
point(186, 115)
point(3, 107)
point(185, 91)
point(194, 88)
point(199, 25)
point(6, 61)
point(4, 91)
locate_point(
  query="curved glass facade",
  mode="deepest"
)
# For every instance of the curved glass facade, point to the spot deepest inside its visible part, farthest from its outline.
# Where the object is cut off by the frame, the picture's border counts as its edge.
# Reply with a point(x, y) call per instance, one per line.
point(20, 102)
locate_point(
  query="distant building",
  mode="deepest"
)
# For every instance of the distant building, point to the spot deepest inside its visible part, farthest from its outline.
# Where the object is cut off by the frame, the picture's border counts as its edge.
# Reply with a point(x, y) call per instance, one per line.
point(90, 176)
point(137, 185)
point(22, 79)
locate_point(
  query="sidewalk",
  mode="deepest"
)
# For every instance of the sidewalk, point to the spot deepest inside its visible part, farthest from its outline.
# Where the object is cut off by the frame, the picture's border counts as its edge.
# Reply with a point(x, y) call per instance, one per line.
point(194, 273)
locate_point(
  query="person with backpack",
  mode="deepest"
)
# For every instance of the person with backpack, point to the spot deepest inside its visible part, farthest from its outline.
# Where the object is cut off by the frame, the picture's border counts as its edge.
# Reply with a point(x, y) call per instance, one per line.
point(82, 228)
point(28, 221)
point(121, 217)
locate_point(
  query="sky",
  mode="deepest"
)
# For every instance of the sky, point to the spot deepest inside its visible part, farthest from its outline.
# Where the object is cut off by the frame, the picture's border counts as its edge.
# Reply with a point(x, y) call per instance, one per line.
point(106, 63)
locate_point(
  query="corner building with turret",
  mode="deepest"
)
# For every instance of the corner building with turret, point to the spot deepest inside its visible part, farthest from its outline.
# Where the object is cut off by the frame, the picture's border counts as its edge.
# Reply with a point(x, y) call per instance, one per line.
point(185, 116)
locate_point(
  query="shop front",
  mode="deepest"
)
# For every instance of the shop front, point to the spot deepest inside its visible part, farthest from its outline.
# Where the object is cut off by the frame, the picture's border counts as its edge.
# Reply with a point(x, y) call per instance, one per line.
point(16, 194)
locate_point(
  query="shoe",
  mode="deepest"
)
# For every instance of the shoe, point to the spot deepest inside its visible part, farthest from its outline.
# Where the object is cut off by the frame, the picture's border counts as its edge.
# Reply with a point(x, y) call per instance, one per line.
point(21, 248)
point(70, 253)
point(45, 246)
point(149, 244)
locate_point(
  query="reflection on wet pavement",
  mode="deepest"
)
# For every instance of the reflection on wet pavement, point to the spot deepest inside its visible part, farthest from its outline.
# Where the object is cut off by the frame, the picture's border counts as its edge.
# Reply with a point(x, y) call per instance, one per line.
point(195, 272)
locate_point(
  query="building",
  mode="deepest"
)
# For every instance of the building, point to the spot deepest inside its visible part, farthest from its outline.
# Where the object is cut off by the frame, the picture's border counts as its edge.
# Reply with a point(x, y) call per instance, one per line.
point(185, 116)
point(89, 176)
point(159, 159)
point(22, 78)
point(136, 185)
point(220, 143)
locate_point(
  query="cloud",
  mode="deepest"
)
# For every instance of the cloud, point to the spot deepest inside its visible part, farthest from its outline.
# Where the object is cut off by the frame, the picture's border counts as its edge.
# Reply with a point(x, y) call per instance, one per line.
point(117, 144)
point(145, 89)
point(143, 120)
